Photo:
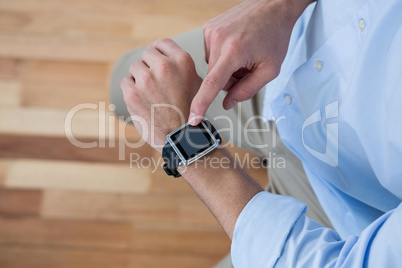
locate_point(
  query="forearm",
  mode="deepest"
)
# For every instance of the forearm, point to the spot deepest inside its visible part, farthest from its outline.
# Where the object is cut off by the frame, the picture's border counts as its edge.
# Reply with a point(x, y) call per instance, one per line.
point(296, 7)
point(223, 186)
point(287, 12)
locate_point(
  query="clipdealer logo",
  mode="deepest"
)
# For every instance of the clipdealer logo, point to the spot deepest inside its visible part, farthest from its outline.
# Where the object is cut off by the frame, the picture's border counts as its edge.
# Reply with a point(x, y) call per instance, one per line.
point(330, 156)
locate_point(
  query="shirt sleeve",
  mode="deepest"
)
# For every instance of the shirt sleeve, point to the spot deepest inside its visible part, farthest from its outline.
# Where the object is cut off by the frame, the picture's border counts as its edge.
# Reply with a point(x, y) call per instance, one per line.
point(273, 231)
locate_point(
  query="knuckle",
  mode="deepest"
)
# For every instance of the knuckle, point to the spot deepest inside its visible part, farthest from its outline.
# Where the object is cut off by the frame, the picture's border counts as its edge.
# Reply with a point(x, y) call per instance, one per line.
point(184, 58)
point(124, 83)
point(217, 33)
point(127, 88)
point(133, 67)
point(146, 52)
point(160, 41)
point(155, 43)
point(164, 66)
point(233, 46)
point(210, 81)
point(271, 72)
point(146, 78)
point(275, 71)
point(206, 28)
point(164, 40)
point(271, 69)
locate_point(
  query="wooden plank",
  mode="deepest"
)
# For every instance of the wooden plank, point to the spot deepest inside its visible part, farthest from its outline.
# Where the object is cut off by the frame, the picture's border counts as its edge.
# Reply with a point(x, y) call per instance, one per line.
point(20, 203)
point(4, 166)
point(61, 95)
point(73, 24)
point(157, 211)
point(79, 32)
point(85, 122)
point(9, 68)
point(65, 233)
point(74, 234)
point(12, 20)
point(59, 148)
point(95, 177)
point(50, 84)
point(46, 122)
point(103, 49)
point(15, 256)
point(179, 241)
point(60, 55)
point(73, 72)
point(196, 9)
point(10, 93)
point(167, 25)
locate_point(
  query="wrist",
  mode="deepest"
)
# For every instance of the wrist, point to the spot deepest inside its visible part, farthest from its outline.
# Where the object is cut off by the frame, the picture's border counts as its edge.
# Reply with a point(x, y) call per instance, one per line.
point(293, 9)
point(161, 134)
point(218, 159)
point(287, 11)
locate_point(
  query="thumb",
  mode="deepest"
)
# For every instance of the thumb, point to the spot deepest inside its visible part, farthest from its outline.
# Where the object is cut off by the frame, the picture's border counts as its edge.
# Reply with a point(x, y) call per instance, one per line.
point(214, 82)
point(247, 87)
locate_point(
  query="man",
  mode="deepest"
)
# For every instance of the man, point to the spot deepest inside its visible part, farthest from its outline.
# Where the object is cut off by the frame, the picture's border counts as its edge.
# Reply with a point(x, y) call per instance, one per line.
point(334, 81)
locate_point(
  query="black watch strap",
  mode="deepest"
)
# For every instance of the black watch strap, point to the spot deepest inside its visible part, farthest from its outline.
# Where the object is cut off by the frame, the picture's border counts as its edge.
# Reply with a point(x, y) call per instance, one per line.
point(171, 158)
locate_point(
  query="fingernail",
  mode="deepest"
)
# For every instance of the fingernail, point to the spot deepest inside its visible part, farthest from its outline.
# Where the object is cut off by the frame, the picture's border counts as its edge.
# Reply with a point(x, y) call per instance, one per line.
point(191, 119)
point(230, 104)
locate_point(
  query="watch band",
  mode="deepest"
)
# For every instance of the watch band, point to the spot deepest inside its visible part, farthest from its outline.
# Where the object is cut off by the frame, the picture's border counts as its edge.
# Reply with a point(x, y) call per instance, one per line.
point(171, 158)
point(213, 129)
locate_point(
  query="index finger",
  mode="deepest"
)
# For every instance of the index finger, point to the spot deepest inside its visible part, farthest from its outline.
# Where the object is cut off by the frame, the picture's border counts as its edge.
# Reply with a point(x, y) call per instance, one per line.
point(214, 82)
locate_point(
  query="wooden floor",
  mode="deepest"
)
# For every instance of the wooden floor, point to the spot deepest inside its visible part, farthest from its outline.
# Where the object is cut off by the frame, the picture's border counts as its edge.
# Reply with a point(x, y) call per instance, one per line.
point(62, 206)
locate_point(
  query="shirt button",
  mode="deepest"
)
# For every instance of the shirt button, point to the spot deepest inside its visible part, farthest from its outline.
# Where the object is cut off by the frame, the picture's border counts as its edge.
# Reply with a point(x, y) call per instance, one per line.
point(362, 25)
point(318, 65)
point(288, 99)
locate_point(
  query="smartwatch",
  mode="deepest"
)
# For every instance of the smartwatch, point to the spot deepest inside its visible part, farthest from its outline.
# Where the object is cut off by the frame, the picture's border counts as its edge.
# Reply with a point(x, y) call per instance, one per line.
point(187, 144)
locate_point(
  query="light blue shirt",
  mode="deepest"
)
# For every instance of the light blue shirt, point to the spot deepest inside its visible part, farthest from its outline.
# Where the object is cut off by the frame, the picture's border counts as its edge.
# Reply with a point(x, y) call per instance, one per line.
point(339, 98)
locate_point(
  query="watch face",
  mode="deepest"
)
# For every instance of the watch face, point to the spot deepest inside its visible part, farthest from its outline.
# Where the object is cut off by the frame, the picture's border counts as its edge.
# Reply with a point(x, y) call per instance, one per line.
point(192, 140)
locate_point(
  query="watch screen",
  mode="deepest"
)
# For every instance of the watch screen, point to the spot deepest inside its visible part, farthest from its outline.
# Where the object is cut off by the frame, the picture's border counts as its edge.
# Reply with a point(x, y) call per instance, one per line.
point(192, 140)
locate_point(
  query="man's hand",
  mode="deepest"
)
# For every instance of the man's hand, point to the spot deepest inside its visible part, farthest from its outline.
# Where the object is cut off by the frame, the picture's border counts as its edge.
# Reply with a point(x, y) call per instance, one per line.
point(245, 48)
point(160, 89)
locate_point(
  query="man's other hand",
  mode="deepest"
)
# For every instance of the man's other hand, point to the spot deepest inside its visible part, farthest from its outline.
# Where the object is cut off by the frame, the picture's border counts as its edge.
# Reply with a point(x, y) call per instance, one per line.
point(160, 89)
point(245, 48)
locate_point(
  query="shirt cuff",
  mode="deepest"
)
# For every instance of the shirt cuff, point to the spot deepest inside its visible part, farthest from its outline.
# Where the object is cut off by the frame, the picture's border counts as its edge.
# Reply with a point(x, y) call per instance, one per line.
point(262, 228)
